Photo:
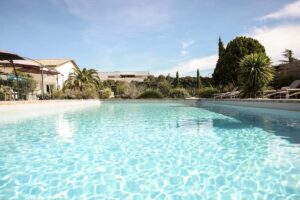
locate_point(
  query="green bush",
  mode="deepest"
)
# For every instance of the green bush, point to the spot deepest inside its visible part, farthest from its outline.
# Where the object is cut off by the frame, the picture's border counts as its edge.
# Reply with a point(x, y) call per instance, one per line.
point(75, 94)
point(207, 92)
point(151, 94)
point(89, 94)
point(131, 91)
point(106, 93)
point(58, 94)
point(179, 93)
point(2, 95)
point(164, 87)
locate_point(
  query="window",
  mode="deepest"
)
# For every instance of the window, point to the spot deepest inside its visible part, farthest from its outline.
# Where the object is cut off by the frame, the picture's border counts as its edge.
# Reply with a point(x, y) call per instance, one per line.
point(128, 76)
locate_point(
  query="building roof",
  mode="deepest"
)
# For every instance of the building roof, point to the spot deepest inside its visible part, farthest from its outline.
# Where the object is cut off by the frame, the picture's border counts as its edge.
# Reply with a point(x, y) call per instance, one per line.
point(126, 73)
point(55, 62)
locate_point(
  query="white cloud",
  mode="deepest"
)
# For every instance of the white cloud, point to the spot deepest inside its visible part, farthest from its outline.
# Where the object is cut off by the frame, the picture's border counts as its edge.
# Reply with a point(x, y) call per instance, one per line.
point(117, 20)
point(131, 13)
point(184, 47)
point(291, 10)
point(277, 39)
point(202, 63)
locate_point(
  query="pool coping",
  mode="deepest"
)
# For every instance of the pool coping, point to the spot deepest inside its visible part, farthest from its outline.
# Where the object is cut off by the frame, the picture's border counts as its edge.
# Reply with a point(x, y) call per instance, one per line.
point(14, 106)
point(279, 104)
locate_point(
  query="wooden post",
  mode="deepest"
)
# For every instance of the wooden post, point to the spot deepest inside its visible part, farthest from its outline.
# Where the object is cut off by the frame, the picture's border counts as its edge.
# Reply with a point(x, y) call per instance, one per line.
point(42, 73)
point(57, 81)
point(16, 74)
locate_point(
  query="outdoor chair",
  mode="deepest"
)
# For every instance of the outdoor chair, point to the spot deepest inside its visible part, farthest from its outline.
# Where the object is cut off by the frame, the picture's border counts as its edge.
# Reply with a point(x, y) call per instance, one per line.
point(220, 95)
point(292, 90)
point(233, 94)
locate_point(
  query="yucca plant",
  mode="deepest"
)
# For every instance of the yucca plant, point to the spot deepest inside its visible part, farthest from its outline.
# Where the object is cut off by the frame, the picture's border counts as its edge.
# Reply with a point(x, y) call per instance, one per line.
point(82, 79)
point(255, 74)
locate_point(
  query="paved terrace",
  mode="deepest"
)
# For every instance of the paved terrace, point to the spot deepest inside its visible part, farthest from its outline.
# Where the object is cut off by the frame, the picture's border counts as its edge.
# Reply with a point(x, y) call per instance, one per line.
point(282, 104)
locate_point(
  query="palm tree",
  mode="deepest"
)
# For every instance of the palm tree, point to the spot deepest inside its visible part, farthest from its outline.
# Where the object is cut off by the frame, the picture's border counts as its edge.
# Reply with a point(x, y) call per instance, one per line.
point(255, 74)
point(82, 79)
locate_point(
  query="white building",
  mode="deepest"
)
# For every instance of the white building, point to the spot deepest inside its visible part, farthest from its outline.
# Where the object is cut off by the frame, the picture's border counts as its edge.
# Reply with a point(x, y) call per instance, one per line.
point(124, 76)
point(63, 66)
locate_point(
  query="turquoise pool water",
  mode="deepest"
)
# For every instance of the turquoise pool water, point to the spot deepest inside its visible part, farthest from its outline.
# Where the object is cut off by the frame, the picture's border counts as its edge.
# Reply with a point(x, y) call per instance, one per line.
point(152, 151)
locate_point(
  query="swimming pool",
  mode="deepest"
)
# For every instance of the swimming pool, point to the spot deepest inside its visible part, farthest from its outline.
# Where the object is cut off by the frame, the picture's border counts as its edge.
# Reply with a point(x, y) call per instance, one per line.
point(152, 150)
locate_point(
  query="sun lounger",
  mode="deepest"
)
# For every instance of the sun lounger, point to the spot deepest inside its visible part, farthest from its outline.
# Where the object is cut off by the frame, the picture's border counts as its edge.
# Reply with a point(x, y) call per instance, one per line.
point(221, 95)
point(233, 94)
point(291, 91)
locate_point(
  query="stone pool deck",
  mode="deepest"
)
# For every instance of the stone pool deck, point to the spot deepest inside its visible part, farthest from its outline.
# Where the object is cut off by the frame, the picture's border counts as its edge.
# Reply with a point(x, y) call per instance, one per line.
point(45, 104)
point(32, 106)
point(12, 111)
point(282, 104)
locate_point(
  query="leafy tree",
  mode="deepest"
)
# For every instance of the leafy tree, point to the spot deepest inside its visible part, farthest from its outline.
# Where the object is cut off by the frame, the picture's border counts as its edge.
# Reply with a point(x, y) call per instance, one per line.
point(25, 83)
point(151, 81)
point(161, 78)
point(206, 81)
point(198, 79)
point(169, 78)
point(188, 82)
point(164, 87)
point(226, 71)
point(289, 56)
point(255, 74)
point(82, 79)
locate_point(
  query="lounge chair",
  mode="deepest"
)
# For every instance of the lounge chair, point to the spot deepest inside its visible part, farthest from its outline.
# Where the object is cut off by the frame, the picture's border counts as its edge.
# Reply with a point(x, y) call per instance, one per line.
point(233, 94)
point(290, 91)
point(220, 95)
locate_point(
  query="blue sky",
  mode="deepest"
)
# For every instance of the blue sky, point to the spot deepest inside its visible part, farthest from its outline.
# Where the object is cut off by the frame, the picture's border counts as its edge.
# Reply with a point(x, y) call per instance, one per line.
point(160, 36)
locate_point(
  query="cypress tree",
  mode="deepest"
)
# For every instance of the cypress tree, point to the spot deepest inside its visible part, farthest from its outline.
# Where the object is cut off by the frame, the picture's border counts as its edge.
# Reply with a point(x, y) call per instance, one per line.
point(198, 79)
point(177, 80)
point(221, 46)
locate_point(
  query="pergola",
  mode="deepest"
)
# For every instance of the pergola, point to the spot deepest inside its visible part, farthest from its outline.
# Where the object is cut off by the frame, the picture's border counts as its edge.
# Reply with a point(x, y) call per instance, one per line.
point(28, 66)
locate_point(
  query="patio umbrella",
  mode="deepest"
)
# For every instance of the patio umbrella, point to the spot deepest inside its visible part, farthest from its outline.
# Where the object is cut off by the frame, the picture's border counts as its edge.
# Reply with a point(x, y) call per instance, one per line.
point(9, 56)
point(32, 66)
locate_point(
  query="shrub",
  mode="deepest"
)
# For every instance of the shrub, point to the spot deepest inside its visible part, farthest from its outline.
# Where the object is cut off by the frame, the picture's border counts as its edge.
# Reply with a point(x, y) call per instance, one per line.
point(2, 95)
point(164, 87)
point(151, 94)
point(207, 92)
point(119, 87)
point(75, 94)
point(179, 93)
point(89, 94)
point(58, 94)
point(131, 91)
point(106, 93)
